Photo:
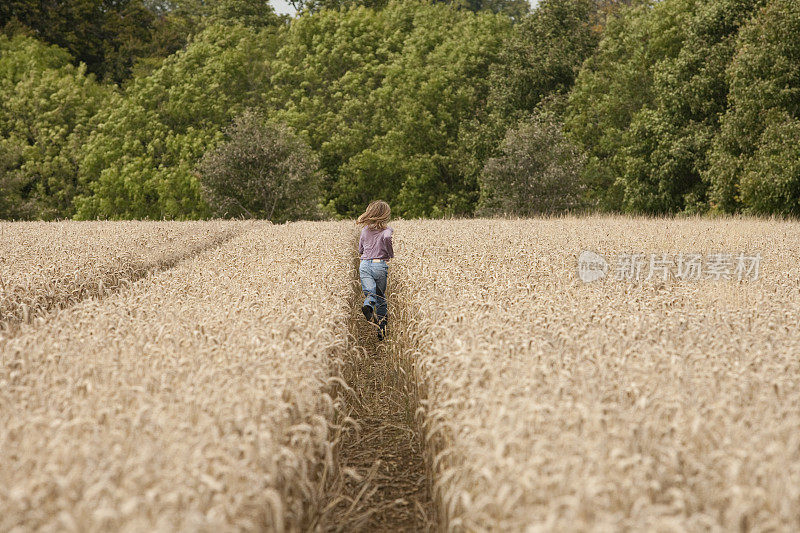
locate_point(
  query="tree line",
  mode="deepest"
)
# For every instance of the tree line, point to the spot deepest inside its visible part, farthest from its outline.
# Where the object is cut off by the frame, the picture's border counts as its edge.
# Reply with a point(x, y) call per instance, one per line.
point(190, 109)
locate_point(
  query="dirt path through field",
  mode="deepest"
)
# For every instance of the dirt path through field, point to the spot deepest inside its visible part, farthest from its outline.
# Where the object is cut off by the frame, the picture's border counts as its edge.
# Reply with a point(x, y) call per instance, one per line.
point(389, 491)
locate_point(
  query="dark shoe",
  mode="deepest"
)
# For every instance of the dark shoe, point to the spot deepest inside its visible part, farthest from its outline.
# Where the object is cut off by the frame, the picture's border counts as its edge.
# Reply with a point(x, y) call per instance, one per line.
point(367, 310)
point(380, 334)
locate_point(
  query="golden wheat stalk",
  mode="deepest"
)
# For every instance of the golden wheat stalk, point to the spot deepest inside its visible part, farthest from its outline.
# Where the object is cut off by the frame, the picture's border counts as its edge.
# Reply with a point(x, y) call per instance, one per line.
point(195, 399)
point(45, 266)
point(550, 404)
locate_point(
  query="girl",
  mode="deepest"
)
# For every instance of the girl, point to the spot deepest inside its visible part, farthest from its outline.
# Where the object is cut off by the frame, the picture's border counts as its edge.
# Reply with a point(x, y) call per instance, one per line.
point(375, 250)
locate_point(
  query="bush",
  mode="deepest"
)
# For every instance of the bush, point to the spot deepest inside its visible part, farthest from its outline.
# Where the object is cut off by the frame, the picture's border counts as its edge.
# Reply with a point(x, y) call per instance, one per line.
point(263, 170)
point(538, 171)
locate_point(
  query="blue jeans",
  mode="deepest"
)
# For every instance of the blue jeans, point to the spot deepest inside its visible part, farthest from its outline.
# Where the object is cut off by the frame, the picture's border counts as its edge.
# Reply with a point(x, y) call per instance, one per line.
point(373, 284)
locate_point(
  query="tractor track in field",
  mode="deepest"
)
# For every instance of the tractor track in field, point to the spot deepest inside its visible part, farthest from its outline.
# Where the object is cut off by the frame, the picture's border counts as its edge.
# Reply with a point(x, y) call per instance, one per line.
point(113, 283)
point(385, 486)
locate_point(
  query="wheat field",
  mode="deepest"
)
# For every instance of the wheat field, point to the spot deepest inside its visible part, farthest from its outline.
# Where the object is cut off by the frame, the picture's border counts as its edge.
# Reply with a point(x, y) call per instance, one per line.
point(550, 404)
point(196, 399)
point(46, 265)
point(204, 391)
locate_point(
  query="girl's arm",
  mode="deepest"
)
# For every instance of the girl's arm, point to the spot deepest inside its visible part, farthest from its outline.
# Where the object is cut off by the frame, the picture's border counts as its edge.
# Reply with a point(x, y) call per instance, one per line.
point(389, 245)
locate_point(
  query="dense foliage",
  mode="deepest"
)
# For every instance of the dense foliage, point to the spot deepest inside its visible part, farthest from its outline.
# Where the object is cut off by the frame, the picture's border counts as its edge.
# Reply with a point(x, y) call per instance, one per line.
point(140, 160)
point(383, 96)
point(676, 106)
point(614, 85)
point(45, 108)
point(262, 170)
point(537, 172)
point(755, 161)
point(648, 107)
point(114, 37)
point(542, 56)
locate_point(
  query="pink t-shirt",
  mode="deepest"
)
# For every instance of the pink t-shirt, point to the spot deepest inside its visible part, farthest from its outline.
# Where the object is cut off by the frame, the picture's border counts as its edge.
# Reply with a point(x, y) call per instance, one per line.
point(376, 244)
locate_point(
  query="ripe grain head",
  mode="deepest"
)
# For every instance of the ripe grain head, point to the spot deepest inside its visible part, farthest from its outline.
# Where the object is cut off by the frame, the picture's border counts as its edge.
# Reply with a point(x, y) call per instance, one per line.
point(552, 404)
point(51, 265)
point(193, 400)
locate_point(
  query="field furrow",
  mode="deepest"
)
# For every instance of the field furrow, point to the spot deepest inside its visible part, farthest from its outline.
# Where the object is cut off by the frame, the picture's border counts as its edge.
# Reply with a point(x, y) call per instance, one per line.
point(383, 486)
point(196, 399)
point(551, 404)
point(51, 265)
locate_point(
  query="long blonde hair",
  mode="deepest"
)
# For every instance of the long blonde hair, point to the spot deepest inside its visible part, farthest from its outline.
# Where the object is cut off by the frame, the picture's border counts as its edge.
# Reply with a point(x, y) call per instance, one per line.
point(376, 215)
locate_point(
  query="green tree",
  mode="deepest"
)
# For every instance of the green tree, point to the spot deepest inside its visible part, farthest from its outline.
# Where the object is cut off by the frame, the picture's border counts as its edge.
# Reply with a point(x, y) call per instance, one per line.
point(615, 84)
point(434, 88)
point(262, 170)
point(106, 35)
point(542, 57)
point(116, 38)
point(536, 66)
point(647, 105)
point(45, 105)
point(382, 96)
point(255, 14)
point(537, 172)
point(140, 159)
point(667, 146)
point(516, 9)
point(326, 74)
point(754, 162)
point(315, 6)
